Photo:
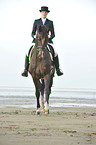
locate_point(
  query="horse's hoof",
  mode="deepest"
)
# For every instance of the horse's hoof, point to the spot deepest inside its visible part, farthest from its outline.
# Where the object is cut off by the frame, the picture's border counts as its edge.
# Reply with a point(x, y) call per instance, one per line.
point(47, 111)
point(42, 109)
point(38, 112)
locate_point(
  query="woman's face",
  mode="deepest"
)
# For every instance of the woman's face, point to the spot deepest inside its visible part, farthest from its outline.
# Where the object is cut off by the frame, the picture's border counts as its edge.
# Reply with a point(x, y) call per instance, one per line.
point(44, 14)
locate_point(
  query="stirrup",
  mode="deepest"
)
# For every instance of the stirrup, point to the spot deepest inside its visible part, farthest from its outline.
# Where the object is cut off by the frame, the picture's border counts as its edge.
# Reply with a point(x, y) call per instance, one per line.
point(59, 72)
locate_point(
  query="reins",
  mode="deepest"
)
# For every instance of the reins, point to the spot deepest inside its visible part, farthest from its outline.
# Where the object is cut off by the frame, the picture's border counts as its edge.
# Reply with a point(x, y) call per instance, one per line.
point(37, 47)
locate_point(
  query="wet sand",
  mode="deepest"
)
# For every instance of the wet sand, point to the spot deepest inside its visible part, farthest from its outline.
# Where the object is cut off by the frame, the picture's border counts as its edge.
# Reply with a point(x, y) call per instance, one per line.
point(63, 126)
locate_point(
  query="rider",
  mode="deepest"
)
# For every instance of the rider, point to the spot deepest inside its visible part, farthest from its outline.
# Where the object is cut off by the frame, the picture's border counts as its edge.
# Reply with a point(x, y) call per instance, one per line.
point(49, 24)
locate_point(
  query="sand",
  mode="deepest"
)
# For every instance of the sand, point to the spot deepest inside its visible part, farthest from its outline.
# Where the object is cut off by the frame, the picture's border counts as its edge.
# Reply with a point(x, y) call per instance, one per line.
point(63, 126)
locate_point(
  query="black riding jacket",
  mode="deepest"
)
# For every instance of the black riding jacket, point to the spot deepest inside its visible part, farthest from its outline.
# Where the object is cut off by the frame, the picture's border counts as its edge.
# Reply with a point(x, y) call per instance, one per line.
point(48, 24)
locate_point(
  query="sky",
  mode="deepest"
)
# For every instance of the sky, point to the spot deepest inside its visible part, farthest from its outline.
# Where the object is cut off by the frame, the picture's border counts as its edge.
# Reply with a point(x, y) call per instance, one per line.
point(75, 40)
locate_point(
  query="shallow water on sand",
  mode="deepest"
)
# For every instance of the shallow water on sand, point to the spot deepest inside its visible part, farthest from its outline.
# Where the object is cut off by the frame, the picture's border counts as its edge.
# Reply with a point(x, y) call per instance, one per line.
point(25, 97)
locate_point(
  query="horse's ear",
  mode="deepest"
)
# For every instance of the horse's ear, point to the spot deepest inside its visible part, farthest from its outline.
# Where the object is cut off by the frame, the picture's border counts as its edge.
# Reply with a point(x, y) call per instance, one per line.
point(40, 28)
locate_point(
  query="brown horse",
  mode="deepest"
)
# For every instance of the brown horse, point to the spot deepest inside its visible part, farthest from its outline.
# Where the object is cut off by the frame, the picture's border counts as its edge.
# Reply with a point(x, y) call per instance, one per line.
point(41, 69)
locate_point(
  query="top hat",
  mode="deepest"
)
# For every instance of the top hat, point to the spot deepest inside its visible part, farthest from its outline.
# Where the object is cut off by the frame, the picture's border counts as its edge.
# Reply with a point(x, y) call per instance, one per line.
point(44, 8)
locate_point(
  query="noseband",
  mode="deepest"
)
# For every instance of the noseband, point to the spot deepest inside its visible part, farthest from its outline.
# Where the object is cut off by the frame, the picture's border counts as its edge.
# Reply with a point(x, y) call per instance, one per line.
point(37, 47)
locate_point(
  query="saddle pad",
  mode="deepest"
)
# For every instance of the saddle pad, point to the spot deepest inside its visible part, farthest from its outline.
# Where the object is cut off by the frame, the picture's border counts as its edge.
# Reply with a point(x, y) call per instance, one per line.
point(48, 48)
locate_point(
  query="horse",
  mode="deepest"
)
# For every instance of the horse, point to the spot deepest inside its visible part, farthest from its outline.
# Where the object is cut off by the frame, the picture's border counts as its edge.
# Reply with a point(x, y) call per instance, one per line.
point(42, 70)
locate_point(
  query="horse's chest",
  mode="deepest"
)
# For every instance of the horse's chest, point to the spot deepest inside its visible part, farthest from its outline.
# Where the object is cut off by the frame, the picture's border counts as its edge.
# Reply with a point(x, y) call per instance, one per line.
point(42, 68)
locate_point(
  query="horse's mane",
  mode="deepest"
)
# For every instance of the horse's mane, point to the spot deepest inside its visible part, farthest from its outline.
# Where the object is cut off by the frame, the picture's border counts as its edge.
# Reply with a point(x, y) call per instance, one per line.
point(42, 35)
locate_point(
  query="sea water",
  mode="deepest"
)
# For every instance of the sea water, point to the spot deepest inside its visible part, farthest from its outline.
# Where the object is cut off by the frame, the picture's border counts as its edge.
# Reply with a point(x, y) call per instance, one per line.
point(60, 97)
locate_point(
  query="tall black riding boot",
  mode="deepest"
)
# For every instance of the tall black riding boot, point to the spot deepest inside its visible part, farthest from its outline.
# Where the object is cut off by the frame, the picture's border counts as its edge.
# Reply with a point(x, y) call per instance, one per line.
point(56, 62)
point(25, 73)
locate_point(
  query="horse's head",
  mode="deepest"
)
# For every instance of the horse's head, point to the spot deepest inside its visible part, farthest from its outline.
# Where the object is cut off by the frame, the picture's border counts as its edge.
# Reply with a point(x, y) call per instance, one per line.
point(42, 36)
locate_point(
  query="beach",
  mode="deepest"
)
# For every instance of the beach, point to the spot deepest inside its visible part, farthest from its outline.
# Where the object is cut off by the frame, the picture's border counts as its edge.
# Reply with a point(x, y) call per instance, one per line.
point(63, 126)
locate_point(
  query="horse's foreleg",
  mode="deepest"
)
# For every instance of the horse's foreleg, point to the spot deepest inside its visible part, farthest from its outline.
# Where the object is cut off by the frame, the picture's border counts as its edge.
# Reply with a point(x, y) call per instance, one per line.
point(42, 102)
point(51, 83)
point(47, 92)
point(42, 97)
point(37, 96)
point(37, 92)
point(46, 105)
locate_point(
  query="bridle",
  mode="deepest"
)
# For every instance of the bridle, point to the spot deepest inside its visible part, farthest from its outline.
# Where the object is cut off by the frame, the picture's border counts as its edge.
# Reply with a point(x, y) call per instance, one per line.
point(37, 46)
point(42, 47)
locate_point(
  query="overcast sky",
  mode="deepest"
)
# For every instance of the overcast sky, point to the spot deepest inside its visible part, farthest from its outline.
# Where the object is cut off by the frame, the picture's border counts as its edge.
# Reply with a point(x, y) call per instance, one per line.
point(75, 41)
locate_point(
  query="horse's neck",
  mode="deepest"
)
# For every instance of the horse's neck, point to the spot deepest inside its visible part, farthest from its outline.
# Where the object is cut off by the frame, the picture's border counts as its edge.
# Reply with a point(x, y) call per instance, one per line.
point(42, 54)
